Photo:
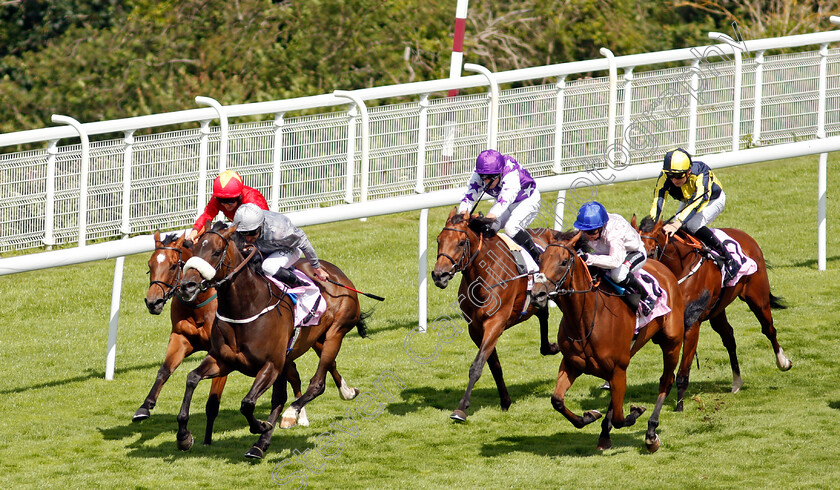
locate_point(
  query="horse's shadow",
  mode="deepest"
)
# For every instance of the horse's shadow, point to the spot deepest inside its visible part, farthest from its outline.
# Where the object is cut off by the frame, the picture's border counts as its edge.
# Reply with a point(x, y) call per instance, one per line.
point(447, 399)
point(565, 443)
point(144, 443)
point(90, 373)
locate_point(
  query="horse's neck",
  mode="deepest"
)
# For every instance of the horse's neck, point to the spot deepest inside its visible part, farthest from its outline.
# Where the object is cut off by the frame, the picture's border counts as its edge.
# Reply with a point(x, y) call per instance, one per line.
point(492, 262)
point(246, 291)
point(680, 258)
point(575, 305)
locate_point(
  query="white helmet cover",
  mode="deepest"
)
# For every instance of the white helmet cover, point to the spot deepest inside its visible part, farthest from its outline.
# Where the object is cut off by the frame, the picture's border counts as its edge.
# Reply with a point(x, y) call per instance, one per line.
point(248, 217)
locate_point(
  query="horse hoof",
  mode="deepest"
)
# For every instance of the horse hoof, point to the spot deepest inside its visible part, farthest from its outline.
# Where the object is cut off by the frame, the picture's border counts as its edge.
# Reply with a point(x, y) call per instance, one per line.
point(606, 385)
point(458, 416)
point(652, 447)
point(255, 453)
point(262, 428)
point(782, 360)
point(141, 414)
point(637, 410)
point(288, 422)
point(679, 407)
point(550, 349)
point(346, 392)
point(604, 444)
point(591, 416)
point(186, 443)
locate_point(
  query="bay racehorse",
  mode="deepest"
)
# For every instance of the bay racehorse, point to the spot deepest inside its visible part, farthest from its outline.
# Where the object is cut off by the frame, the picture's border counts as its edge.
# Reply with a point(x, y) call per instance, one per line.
point(191, 323)
point(705, 298)
point(492, 297)
point(596, 335)
point(258, 329)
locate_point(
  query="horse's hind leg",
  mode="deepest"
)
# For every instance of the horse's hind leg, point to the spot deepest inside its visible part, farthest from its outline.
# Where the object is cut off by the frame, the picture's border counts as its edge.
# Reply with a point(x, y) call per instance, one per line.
point(209, 367)
point(496, 370)
point(212, 407)
point(761, 308)
point(670, 357)
point(345, 391)
point(278, 399)
point(721, 325)
point(293, 378)
point(177, 349)
point(565, 378)
point(316, 384)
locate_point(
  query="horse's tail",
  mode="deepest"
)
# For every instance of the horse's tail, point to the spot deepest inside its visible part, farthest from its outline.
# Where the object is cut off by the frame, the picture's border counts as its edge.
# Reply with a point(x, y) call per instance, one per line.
point(361, 325)
point(694, 309)
point(777, 303)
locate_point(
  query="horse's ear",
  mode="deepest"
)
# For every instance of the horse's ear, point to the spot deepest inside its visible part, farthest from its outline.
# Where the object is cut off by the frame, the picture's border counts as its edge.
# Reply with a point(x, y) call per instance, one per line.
point(180, 241)
point(452, 213)
point(633, 222)
point(575, 238)
point(157, 236)
point(227, 232)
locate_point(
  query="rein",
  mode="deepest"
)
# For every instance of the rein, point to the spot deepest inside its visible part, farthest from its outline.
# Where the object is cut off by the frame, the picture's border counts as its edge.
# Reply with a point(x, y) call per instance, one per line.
point(170, 289)
point(568, 276)
point(456, 264)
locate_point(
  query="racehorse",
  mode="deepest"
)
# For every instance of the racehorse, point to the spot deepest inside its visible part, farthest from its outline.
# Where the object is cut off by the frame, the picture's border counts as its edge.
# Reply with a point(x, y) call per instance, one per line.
point(191, 323)
point(700, 281)
point(596, 335)
point(492, 296)
point(257, 329)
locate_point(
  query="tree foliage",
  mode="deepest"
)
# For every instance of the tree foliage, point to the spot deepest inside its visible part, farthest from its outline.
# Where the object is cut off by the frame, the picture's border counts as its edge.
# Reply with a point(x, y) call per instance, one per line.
point(105, 59)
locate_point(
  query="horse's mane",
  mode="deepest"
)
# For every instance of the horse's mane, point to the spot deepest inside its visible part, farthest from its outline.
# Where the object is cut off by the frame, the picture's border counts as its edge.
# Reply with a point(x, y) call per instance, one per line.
point(482, 226)
point(564, 235)
point(169, 239)
point(647, 224)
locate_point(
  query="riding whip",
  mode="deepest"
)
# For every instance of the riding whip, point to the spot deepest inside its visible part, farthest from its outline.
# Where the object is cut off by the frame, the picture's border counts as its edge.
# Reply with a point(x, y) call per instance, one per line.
point(373, 296)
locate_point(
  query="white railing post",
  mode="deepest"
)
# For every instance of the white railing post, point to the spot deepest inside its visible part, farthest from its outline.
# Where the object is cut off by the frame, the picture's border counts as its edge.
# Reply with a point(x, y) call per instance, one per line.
point(223, 124)
point(49, 211)
point(613, 102)
point(759, 82)
point(736, 89)
point(560, 102)
point(422, 285)
point(360, 104)
point(823, 165)
point(628, 109)
point(83, 173)
point(116, 290)
point(493, 122)
point(693, 101)
point(422, 128)
point(279, 123)
point(203, 157)
point(128, 141)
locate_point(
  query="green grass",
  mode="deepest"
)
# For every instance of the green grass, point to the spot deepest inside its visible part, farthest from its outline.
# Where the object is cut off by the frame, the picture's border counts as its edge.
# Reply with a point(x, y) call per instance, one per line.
point(63, 425)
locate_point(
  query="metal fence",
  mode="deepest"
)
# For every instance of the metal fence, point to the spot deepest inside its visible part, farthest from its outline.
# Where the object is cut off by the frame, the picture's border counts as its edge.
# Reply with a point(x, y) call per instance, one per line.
point(306, 154)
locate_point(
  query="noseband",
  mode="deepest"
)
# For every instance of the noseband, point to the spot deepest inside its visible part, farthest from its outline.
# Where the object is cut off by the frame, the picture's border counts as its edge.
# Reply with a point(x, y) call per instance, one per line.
point(206, 284)
point(568, 276)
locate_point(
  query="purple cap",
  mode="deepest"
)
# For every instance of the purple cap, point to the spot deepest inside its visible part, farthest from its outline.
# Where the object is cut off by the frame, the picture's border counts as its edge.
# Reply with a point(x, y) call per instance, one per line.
point(489, 162)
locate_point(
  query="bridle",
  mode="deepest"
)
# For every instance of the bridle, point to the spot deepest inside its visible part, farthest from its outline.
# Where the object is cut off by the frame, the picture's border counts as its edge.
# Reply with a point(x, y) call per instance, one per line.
point(568, 277)
point(466, 258)
point(170, 289)
point(207, 284)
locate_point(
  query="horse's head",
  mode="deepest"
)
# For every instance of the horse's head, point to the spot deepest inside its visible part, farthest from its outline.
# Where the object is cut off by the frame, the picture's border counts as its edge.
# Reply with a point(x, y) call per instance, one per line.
point(453, 248)
point(165, 271)
point(557, 264)
point(211, 251)
point(653, 237)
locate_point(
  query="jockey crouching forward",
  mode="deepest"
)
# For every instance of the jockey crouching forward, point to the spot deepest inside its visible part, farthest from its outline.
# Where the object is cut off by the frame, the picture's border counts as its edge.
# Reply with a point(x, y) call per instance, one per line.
point(280, 242)
point(615, 247)
point(517, 198)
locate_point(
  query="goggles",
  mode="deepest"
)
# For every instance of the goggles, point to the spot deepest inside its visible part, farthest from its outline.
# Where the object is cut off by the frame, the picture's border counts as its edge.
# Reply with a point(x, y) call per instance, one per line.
point(254, 232)
point(227, 200)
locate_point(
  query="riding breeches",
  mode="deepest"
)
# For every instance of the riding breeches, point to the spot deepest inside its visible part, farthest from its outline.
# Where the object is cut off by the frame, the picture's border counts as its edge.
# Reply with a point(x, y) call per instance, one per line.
point(633, 262)
point(276, 260)
point(519, 214)
point(706, 215)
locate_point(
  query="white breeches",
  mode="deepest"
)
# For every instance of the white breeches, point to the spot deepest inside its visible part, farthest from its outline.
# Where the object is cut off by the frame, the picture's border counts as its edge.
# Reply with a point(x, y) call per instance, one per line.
point(706, 215)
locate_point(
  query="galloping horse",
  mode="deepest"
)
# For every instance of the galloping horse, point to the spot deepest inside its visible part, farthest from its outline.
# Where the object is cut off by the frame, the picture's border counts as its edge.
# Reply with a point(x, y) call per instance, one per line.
point(191, 323)
point(705, 299)
point(257, 332)
point(492, 297)
point(596, 336)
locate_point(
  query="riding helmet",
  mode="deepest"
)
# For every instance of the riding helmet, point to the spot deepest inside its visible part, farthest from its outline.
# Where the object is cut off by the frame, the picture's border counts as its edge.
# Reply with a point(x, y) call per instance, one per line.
point(676, 161)
point(228, 185)
point(591, 215)
point(489, 162)
point(248, 217)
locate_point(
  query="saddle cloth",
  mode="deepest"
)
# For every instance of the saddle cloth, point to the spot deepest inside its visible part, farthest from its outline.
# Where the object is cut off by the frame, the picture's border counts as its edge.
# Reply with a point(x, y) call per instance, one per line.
point(309, 306)
point(748, 265)
point(525, 264)
point(652, 287)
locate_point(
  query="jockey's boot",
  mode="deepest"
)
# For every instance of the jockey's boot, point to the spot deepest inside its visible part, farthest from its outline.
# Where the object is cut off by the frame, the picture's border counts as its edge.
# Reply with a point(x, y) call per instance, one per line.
point(730, 266)
point(524, 240)
point(286, 276)
point(646, 302)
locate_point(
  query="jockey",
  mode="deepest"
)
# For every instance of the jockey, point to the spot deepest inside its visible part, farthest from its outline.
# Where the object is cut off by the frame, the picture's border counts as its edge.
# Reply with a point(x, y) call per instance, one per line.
point(616, 248)
point(279, 241)
point(517, 198)
point(228, 194)
point(702, 200)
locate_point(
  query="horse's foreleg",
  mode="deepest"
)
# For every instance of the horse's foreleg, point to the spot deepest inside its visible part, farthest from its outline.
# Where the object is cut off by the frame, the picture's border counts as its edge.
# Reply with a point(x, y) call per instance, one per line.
point(265, 378)
point(209, 367)
point(486, 347)
point(546, 348)
point(212, 407)
point(762, 311)
point(721, 325)
point(278, 400)
point(496, 370)
point(566, 376)
point(177, 349)
point(692, 336)
point(615, 414)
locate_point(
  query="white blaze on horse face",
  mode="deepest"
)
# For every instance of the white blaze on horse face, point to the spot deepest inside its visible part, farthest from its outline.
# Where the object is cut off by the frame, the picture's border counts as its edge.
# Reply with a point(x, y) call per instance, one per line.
point(160, 258)
point(206, 270)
